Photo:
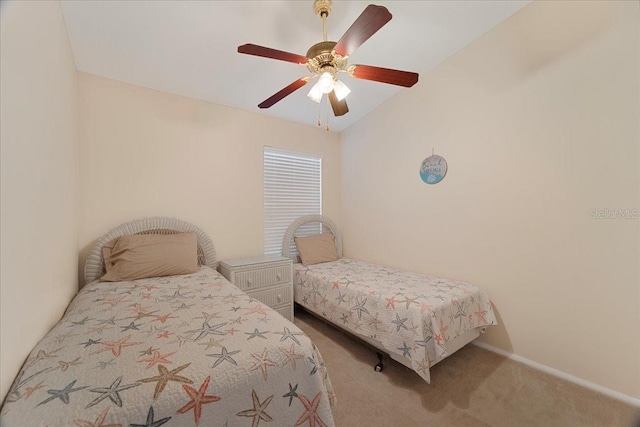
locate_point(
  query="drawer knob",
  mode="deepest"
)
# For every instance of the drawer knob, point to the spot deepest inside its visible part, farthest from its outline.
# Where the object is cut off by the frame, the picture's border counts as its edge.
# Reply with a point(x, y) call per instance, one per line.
point(279, 276)
point(248, 282)
point(279, 298)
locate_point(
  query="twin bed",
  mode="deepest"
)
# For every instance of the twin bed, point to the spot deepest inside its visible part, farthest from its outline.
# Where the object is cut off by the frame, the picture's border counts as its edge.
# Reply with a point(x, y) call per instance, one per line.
point(193, 349)
point(176, 351)
point(416, 319)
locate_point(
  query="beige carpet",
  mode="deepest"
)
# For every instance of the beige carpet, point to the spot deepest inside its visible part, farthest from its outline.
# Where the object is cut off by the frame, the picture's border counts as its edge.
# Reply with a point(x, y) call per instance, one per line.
point(473, 387)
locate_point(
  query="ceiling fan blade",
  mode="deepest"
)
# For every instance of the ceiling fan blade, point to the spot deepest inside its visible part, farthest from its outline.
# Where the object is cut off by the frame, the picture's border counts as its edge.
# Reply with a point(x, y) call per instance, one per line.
point(367, 24)
point(339, 107)
point(267, 52)
point(276, 97)
point(384, 75)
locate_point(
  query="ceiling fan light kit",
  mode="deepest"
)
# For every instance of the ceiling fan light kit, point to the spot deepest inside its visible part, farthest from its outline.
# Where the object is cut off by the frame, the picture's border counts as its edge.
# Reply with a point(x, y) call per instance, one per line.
point(326, 59)
point(325, 82)
point(315, 94)
point(341, 90)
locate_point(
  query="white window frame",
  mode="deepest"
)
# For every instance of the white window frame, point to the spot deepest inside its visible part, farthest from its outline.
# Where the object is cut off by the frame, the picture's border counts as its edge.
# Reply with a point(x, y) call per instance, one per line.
point(292, 188)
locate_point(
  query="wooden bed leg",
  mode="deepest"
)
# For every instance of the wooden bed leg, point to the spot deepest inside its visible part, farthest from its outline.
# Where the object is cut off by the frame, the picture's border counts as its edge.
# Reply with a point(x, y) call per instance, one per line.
point(379, 367)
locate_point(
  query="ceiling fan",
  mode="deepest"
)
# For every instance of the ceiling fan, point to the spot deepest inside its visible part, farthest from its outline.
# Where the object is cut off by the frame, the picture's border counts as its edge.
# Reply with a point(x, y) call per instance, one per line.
point(326, 59)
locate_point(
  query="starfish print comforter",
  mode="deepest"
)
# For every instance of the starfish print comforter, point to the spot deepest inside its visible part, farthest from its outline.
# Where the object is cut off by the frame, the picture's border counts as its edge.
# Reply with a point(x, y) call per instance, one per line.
point(172, 351)
point(410, 314)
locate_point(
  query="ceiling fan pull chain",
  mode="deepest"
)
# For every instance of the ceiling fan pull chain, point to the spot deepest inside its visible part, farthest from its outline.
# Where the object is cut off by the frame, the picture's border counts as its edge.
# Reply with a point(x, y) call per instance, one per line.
point(320, 112)
point(328, 128)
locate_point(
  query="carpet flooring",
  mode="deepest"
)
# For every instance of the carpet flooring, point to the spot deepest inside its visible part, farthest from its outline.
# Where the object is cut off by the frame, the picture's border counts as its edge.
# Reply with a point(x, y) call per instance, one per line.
point(472, 387)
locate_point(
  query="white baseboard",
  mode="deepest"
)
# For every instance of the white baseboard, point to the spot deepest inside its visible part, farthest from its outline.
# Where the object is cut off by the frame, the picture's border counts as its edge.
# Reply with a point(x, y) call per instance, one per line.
point(563, 375)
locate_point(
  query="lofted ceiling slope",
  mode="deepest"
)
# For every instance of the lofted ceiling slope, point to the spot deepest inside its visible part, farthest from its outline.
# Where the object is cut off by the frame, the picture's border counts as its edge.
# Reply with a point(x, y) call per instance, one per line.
point(189, 47)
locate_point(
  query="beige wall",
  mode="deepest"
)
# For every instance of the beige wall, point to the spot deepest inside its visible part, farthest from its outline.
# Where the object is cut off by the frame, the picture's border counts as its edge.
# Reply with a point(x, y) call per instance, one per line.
point(39, 178)
point(538, 120)
point(146, 153)
point(539, 128)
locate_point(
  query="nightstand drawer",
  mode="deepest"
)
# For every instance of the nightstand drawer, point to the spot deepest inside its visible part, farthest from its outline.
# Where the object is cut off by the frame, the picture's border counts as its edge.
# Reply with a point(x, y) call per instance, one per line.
point(273, 297)
point(266, 278)
point(255, 279)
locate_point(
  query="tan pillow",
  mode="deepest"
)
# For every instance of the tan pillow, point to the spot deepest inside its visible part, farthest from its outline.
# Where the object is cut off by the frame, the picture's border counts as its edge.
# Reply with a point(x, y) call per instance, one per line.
point(152, 255)
point(317, 248)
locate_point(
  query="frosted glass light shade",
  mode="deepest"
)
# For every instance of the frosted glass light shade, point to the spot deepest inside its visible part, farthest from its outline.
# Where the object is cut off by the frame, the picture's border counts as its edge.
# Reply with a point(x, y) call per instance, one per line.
point(325, 82)
point(315, 94)
point(341, 90)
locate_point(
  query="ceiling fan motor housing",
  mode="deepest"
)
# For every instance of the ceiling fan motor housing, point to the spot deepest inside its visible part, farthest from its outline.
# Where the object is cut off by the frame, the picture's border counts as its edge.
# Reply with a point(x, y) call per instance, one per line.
point(322, 58)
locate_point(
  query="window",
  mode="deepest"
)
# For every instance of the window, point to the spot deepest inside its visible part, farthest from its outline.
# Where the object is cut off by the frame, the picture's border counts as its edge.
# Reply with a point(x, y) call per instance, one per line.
point(292, 188)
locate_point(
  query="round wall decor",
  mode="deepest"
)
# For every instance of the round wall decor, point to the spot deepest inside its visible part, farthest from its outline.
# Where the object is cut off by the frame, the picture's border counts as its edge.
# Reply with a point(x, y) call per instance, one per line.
point(433, 169)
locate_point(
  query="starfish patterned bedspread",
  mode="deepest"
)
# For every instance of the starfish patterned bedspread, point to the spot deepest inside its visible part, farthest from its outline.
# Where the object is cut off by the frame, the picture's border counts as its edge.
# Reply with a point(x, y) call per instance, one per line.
point(410, 314)
point(174, 351)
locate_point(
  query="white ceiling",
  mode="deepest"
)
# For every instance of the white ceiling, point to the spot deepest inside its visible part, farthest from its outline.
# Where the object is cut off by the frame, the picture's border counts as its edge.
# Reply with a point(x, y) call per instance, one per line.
point(189, 47)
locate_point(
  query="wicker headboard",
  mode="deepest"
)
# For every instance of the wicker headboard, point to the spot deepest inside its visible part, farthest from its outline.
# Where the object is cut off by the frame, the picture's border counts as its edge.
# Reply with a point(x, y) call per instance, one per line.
point(290, 233)
point(94, 266)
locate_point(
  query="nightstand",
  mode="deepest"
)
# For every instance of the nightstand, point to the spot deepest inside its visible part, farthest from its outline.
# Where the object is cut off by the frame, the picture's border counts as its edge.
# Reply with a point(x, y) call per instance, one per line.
point(268, 279)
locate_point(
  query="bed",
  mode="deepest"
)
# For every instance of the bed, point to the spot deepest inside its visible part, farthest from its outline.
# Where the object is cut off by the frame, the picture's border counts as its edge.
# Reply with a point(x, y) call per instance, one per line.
point(416, 319)
point(175, 351)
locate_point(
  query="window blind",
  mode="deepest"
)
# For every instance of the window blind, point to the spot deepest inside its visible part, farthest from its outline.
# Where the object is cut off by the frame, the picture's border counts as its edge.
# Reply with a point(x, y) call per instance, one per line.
point(292, 188)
